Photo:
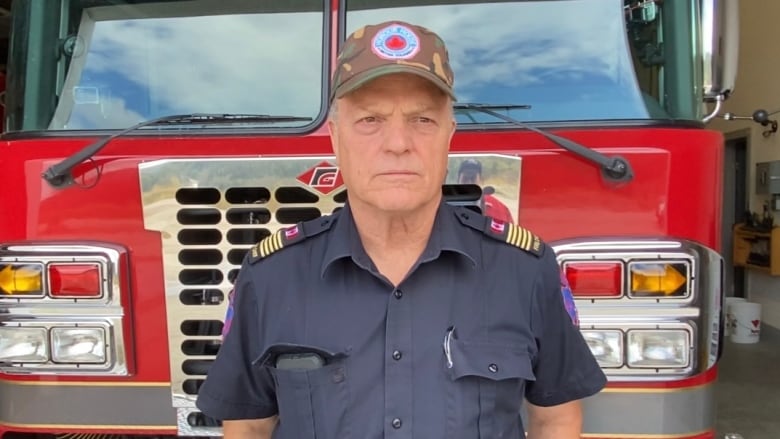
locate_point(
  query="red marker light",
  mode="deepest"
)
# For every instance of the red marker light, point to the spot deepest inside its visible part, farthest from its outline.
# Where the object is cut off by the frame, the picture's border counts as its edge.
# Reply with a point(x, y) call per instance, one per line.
point(595, 279)
point(74, 280)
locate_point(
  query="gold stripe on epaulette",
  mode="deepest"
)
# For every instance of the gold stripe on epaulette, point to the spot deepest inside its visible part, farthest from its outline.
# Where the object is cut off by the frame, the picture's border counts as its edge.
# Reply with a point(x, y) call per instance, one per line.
point(521, 238)
point(272, 244)
point(511, 235)
point(526, 242)
point(268, 245)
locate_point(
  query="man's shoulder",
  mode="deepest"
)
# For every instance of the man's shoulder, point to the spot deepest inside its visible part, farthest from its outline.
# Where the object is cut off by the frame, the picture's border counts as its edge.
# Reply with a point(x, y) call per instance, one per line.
point(510, 234)
point(296, 235)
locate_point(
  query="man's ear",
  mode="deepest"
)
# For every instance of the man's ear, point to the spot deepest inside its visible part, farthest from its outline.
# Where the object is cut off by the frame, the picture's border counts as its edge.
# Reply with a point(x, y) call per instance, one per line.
point(334, 138)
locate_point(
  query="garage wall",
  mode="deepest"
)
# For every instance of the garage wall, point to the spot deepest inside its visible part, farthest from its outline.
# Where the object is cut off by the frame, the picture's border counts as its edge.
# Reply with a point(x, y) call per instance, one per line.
point(758, 86)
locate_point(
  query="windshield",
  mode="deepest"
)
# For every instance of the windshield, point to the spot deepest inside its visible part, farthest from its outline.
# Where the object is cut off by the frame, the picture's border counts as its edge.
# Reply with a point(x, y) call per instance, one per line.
point(569, 60)
point(110, 64)
point(117, 63)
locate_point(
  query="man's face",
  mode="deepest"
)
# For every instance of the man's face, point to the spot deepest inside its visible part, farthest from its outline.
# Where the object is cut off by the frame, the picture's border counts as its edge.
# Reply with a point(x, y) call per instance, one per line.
point(391, 139)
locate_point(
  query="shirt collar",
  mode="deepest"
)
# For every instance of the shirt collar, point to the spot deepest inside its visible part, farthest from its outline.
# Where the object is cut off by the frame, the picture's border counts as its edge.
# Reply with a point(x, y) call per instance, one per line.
point(447, 235)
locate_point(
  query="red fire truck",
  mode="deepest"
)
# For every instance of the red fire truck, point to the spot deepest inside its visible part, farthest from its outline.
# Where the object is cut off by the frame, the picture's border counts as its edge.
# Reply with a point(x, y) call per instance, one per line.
point(149, 144)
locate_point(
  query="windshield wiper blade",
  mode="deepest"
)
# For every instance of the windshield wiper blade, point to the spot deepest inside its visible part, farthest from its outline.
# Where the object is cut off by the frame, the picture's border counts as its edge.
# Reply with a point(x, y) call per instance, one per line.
point(614, 168)
point(477, 106)
point(59, 174)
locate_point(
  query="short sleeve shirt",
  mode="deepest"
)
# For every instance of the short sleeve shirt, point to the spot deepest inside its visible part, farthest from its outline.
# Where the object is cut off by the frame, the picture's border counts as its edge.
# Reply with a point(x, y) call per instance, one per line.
point(451, 352)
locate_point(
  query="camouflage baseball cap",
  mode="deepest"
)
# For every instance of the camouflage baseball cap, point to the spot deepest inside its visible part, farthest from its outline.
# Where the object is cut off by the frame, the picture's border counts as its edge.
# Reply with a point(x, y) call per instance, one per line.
point(391, 47)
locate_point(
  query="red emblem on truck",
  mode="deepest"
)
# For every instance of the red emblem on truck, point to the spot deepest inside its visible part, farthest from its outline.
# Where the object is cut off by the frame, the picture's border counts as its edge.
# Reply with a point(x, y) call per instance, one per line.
point(324, 177)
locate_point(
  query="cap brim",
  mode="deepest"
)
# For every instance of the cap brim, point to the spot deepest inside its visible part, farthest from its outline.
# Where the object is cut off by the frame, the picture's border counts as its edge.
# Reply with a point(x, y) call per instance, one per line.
point(363, 78)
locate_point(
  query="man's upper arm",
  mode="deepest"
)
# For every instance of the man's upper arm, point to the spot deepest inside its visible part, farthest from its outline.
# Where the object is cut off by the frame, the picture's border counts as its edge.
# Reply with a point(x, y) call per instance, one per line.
point(235, 388)
point(249, 429)
point(564, 367)
point(563, 421)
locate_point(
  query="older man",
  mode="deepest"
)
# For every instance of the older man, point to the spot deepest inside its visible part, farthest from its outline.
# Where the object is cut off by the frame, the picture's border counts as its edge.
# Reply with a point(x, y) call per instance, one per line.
point(400, 316)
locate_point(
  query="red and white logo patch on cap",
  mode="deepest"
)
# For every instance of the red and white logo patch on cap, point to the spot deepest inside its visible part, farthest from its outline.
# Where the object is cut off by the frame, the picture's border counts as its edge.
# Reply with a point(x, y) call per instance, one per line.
point(395, 42)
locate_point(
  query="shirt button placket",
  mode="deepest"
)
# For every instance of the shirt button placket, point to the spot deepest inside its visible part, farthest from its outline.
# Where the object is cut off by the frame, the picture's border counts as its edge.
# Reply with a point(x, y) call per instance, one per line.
point(398, 370)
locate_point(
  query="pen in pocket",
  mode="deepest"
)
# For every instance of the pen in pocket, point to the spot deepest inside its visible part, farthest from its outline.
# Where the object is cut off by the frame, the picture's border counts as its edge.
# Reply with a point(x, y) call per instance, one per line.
point(447, 351)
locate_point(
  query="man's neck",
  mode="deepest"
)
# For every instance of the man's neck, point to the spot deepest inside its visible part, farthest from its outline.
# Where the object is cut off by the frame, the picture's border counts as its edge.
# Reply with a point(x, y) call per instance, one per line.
point(394, 242)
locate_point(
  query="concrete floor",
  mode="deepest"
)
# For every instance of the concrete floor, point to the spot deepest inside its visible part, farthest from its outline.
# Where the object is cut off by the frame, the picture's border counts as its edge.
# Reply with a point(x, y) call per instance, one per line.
point(748, 388)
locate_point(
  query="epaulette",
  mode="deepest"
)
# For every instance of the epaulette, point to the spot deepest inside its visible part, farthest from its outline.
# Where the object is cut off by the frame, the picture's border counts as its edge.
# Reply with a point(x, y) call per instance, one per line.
point(288, 236)
point(509, 233)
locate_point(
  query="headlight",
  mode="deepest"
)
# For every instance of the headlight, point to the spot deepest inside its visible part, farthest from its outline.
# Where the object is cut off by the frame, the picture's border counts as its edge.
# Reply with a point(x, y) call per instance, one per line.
point(78, 345)
point(23, 345)
point(653, 349)
point(606, 346)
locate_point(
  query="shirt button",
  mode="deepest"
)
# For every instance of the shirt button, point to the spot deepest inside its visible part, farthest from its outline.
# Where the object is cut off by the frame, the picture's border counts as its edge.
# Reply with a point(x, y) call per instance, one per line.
point(493, 367)
point(396, 423)
point(398, 294)
point(397, 355)
point(338, 375)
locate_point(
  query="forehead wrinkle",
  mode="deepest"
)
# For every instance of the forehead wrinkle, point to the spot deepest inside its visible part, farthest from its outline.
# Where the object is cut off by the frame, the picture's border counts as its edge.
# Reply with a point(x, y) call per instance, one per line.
point(415, 108)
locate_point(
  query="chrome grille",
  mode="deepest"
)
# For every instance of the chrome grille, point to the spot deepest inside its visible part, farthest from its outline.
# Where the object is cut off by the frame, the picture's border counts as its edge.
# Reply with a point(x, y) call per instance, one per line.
point(246, 220)
point(208, 218)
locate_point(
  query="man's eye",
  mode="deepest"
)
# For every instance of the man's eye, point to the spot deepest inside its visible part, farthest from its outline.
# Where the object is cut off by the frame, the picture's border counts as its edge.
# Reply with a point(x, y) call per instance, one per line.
point(422, 119)
point(369, 119)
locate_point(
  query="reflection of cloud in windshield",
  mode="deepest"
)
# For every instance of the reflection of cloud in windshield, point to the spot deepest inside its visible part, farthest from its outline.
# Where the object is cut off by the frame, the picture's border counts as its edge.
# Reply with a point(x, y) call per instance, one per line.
point(225, 64)
point(508, 46)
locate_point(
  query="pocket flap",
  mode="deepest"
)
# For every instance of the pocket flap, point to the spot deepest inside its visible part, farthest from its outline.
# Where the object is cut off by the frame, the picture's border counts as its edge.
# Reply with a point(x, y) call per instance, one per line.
point(494, 361)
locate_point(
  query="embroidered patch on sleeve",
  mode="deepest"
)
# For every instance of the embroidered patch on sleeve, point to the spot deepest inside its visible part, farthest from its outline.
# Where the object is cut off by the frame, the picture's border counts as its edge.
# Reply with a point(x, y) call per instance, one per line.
point(229, 313)
point(568, 301)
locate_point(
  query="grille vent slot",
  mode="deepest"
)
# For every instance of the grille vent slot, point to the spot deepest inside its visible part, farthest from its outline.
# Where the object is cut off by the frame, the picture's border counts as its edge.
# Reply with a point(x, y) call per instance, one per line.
point(248, 195)
point(200, 257)
point(199, 237)
point(201, 327)
point(198, 216)
point(246, 236)
point(201, 297)
point(190, 196)
point(290, 195)
point(291, 215)
point(248, 216)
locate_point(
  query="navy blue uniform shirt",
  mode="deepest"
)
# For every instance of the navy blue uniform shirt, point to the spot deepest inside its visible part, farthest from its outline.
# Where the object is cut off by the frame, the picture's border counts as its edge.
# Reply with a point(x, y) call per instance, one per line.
point(477, 325)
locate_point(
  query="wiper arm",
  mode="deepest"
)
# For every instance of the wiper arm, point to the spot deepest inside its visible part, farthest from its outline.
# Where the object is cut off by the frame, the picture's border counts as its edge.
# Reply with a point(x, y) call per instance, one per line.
point(59, 174)
point(614, 168)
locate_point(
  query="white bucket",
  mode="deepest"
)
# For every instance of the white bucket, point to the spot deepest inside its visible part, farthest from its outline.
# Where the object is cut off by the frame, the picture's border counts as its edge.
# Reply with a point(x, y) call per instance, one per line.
point(747, 316)
point(729, 320)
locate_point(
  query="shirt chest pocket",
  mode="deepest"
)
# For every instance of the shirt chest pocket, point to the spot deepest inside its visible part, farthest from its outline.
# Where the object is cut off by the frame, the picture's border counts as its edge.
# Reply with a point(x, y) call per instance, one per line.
point(487, 383)
point(313, 403)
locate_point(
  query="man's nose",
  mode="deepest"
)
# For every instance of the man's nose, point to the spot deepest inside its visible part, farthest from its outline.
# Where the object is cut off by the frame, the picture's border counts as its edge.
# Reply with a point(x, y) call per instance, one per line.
point(398, 135)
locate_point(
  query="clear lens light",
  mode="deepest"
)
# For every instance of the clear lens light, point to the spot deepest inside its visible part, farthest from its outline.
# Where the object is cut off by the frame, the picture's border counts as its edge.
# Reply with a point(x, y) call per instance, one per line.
point(606, 346)
point(658, 349)
point(23, 345)
point(78, 345)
